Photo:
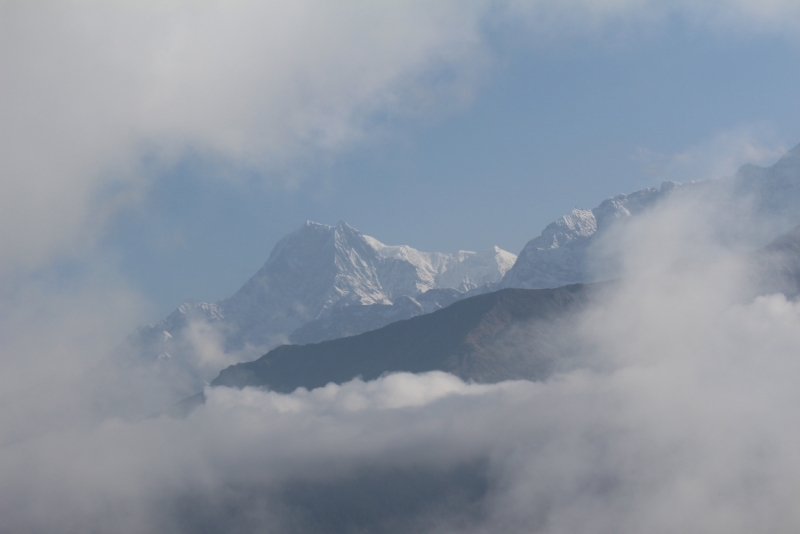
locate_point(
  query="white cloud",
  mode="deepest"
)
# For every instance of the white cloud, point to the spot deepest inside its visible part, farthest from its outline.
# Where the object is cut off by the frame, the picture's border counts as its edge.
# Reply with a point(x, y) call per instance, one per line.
point(89, 88)
point(691, 405)
point(696, 414)
point(680, 418)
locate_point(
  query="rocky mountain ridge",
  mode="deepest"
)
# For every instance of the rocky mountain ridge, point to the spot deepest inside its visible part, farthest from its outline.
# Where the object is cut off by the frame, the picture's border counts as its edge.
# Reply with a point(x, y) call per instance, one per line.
point(474, 339)
point(318, 274)
point(322, 283)
point(502, 335)
point(755, 205)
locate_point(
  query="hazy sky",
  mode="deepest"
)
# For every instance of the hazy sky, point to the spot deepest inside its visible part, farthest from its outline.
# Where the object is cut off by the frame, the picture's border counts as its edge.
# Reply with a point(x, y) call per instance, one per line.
point(176, 143)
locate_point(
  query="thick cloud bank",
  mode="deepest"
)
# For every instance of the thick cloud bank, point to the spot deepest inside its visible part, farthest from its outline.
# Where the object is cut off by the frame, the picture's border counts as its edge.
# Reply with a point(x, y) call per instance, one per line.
point(682, 418)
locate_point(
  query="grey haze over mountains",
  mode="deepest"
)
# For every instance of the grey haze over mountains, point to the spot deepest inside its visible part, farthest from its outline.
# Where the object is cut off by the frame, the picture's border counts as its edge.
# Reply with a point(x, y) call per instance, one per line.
point(508, 334)
point(752, 207)
point(322, 283)
point(530, 334)
point(333, 281)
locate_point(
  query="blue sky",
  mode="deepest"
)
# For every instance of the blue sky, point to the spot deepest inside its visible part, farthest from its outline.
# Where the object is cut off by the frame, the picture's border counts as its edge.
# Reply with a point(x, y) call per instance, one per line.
point(495, 126)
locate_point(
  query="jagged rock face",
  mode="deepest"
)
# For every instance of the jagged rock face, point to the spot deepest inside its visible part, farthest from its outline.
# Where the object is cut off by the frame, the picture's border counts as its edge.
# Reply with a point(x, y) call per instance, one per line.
point(469, 270)
point(504, 335)
point(753, 206)
point(559, 255)
point(319, 267)
point(324, 282)
point(316, 274)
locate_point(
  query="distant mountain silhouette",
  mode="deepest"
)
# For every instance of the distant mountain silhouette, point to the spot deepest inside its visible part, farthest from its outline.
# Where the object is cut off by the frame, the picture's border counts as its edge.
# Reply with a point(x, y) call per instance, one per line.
point(751, 207)
point(475, 339)
point(504, 335)
point(507, 334)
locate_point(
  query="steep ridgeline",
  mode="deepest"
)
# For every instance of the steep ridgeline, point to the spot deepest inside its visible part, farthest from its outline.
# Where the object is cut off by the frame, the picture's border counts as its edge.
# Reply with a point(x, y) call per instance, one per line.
point(750, 208)
point(560, 255)
point(343, 321)
point(507, 334)
point(335, 278)
point(442, 279)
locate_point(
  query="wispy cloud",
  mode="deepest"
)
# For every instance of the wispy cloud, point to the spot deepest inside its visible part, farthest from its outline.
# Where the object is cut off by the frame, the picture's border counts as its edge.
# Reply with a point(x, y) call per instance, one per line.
point(90, 89)
point(685, 399)
point(720, 156)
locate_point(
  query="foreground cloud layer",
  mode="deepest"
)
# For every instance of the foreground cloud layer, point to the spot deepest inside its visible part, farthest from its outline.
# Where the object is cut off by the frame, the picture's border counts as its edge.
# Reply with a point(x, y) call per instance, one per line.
point(681, 418)
point(696, 435)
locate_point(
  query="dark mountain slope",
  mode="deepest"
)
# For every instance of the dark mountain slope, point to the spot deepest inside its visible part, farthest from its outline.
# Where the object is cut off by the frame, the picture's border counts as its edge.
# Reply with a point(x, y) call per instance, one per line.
point(351, 320)
point(508, 334)
point(475, 339)
point(511, 333)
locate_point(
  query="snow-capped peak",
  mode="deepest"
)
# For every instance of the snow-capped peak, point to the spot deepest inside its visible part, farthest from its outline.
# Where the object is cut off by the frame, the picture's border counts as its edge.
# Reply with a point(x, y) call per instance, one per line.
point(310, 273)
point(559, 256)
point(576, 224)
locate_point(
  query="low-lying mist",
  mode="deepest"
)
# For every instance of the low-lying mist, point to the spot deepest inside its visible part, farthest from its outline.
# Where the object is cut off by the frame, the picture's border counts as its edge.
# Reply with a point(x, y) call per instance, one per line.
point(679, 415)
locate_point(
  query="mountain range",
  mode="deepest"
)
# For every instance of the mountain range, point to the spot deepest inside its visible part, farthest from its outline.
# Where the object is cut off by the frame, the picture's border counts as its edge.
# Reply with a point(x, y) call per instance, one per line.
point(473, 339)
point(507, 334)
point(324, 283)
point(754, 205)
point(320, 282)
